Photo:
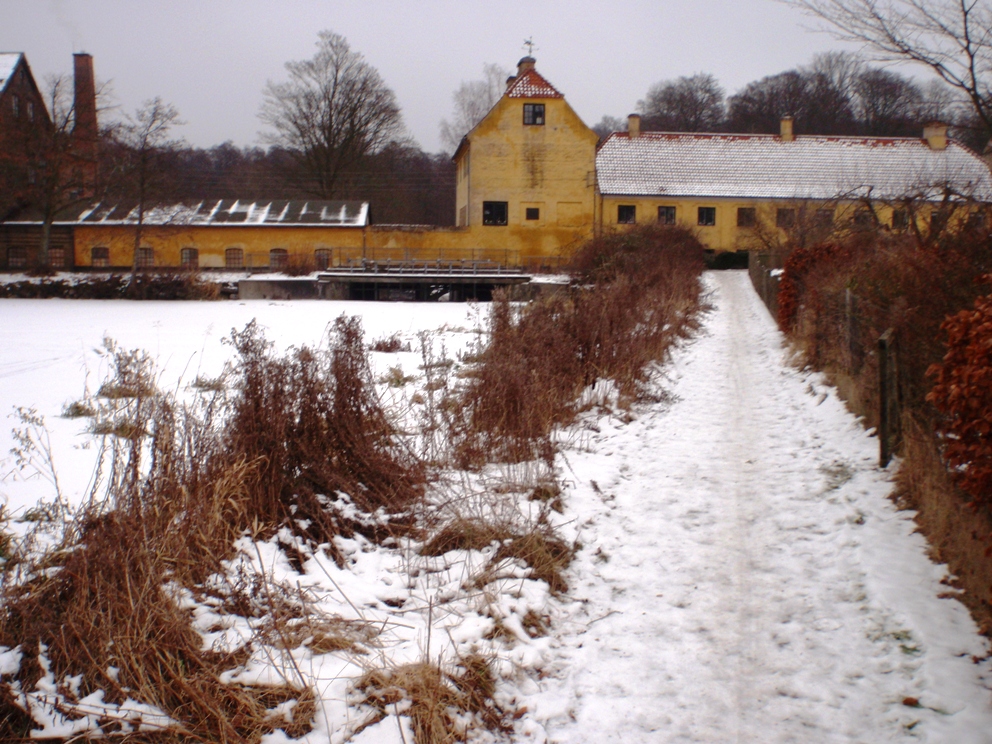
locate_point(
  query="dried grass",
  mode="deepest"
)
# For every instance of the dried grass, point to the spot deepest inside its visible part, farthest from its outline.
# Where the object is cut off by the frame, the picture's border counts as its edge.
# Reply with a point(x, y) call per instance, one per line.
point(442, 704)
point(636, 293)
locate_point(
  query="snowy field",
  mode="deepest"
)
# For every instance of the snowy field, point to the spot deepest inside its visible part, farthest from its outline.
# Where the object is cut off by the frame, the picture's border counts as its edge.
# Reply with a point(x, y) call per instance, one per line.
point(742, 575)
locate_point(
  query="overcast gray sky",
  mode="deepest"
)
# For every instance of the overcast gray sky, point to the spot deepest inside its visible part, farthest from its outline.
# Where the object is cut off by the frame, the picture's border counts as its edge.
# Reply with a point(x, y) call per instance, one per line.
point(210, 58)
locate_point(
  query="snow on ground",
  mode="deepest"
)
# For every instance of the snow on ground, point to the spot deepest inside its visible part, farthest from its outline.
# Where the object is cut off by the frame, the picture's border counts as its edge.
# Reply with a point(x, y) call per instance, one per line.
point(50, 355)
point(742, 575)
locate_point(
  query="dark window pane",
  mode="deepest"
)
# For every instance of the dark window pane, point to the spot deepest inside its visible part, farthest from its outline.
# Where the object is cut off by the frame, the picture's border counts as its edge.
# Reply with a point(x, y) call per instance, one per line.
point(533, 213)
point(785, 218)
point(17, 258)
point(746, 217)
point(626, 214)
point(234, 258)
point(707, 216)
point(321, 258)
point(100, 256)
point(494, 213)
point(190, 258)
point(666, 215)
point(533, 113)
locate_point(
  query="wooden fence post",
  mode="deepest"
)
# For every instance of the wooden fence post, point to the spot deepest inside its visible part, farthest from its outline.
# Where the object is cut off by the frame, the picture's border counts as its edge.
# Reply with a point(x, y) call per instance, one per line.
point(888, 397)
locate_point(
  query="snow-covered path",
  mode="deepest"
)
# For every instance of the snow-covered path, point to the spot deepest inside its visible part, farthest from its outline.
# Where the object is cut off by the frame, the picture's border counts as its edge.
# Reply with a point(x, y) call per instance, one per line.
point(743, 575)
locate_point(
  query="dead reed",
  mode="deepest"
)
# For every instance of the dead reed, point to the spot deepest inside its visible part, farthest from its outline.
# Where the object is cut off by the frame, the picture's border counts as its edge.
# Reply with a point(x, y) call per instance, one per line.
point(635, 293)
point(177, 485)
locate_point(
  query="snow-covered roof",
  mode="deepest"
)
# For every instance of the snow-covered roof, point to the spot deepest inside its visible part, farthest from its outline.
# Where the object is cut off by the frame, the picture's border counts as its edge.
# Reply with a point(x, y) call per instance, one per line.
point(763, 166)
point(8, 63)
point(235, 213)
point(531, 84)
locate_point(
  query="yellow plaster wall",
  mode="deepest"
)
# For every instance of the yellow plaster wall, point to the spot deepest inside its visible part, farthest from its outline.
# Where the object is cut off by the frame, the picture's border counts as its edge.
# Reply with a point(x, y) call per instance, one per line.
point(212, 242)
point(550, 167)
point(725, 235)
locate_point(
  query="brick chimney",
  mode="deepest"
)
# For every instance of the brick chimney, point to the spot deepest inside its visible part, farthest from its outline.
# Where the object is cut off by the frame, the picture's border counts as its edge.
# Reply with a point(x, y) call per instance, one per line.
point(634, 126)
point(935, 133)
point(84, 130)
point(510, 81)
point(787, 134)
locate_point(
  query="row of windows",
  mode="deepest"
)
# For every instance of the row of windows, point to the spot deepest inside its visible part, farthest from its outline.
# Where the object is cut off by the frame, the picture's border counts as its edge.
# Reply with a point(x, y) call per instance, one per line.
point(497, 213)
point(189, 258)
point(17, 257)
point(748, 216)
point(15, 104)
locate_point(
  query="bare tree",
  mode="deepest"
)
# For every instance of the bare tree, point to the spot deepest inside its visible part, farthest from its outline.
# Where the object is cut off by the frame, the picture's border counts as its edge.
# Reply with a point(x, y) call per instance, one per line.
point(473, 100)
point(608, 125)
point(687, 104)
point(334, 110)
point(951, 37)
point(143, 144)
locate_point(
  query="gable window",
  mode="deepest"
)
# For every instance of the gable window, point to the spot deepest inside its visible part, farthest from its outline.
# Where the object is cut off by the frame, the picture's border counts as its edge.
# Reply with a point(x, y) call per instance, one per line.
point(706, 216)
point(626, 214)
point(321, 259)
point(17, 258)
point(533, 213)
point(189, 258)
point(494, 213)
point(145, 258)
point(15, 104)
point(234, 258)
point(30, 110)
point(100, 256)
point(746, 217)
point(56, 258)
point(534, 113)
point(785, 218)
point(666, 215)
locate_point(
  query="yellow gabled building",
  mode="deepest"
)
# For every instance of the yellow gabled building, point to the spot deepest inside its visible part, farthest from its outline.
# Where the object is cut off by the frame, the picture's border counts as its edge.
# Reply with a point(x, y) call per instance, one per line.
point(526, 173)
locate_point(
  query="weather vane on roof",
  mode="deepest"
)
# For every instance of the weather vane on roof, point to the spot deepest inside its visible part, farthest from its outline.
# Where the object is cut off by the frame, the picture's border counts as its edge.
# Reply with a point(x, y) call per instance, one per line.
point(530, 46)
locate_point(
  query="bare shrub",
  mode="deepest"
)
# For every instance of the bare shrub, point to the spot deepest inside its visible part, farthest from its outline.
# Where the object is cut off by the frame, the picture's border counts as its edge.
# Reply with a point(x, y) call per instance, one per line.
point(390, 344)
point(315, 430)
point(636, 293)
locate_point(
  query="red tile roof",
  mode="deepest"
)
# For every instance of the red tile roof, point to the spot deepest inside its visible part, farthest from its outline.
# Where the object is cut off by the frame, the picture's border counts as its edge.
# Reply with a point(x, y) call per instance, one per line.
point(531, 85)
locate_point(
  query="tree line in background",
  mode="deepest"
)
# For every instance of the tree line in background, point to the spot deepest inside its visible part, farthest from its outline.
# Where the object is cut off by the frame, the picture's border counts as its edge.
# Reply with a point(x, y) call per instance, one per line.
point(838, 93)
point(335, 129)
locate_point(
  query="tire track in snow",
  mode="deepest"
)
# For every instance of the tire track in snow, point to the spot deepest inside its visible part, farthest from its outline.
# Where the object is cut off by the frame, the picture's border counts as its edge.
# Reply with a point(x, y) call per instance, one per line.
point(732, 583)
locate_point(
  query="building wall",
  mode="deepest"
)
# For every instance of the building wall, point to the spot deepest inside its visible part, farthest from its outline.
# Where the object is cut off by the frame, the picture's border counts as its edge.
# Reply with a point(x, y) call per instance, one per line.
point(727, 235)
point(549, 167)
point(212, 242)
point(513, 245)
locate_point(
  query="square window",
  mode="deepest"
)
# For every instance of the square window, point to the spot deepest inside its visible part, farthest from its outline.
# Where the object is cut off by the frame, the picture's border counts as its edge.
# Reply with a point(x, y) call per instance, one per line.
point(100, 256)
point(706, 216)
point(626, 214)
point(533, 113)
point(666, 215)
point(533, 213)
point(56, 258)
point(747, 217)
point(234, 258)
point(189, 258)
point(863, 218)
point(785, 218)
point(824, 217)
point(17, 258)
point(494, 213)
point(278, 258)
point(145, 258)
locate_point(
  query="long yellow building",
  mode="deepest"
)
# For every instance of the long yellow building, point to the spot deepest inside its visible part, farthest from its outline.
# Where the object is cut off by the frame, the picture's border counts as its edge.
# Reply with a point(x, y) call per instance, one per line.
point(532, 184)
